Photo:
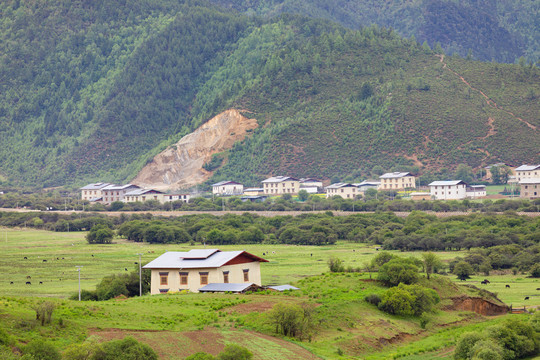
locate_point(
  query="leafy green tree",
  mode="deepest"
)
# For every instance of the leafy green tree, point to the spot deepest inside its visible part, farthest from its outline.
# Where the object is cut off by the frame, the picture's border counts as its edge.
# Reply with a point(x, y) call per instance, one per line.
point(99, 234)
point(463, 270)
point(465, 173)
point(431, 262)
point(398, 271)
point(303, 195)
point(116, 206)
point(235, 352)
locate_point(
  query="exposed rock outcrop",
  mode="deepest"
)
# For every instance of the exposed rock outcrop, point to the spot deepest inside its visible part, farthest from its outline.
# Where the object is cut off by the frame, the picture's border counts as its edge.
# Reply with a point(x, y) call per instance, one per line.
point(181, 165)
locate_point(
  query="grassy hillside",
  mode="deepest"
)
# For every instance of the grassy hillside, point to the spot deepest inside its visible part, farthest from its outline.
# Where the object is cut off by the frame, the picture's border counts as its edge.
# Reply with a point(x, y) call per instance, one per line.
point(487, 30)
point(177, 325)
point(91, 91)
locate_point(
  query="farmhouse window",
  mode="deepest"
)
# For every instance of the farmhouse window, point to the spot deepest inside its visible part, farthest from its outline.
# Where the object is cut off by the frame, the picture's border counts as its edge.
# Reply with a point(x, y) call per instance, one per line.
point(183, 278)
point(246, 275)
point(226, 277)
point(204, 278)
point(163, 278)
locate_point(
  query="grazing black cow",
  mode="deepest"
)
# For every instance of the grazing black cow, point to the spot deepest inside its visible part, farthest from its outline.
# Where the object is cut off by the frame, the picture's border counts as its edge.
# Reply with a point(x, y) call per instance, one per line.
point(125, 269)
point(25, 258)
point(28, 283)
point(44, 260)
point(537, 288)
point(136, 263)
point(526, 298)
point(483, 282)
point(62, 258)
point(508, 286)
point(28, 277)
point(486, 281)
point(57, 258)
point(264, 254)
point(311, 254)
point(11, 282)
point(41, 282)
point(92, 255)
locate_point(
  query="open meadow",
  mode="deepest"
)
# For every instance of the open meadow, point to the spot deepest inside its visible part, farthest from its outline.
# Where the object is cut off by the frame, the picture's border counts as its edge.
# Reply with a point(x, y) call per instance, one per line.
point(288, 263)
point(177, 325)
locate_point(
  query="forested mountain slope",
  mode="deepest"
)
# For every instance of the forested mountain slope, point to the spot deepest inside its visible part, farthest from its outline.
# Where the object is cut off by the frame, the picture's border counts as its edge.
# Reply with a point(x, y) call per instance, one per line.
point(92, 90)
point(497, 30)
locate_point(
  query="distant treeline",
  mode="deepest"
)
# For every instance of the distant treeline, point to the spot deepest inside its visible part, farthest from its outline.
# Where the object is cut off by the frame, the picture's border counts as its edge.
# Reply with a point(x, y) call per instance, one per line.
point(418, 231)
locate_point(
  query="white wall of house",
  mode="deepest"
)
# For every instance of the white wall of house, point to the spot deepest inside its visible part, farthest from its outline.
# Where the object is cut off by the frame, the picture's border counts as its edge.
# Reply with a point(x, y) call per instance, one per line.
point(228, 189)
point(346, 192)
point(283, 187)
point(215, 275)
point(448, 192)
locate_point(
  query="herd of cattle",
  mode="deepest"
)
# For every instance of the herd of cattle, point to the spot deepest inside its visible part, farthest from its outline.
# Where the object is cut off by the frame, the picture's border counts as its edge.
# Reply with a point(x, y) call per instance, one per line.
point(486, 281)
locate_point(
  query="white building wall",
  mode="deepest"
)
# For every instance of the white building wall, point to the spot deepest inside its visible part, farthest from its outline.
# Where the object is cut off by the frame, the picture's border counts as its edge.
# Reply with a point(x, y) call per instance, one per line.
point(448, 192)
point(215, 275)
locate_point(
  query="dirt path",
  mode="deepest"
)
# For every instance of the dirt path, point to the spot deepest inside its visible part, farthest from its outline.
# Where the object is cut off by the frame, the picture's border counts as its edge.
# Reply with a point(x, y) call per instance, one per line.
point(489, 101)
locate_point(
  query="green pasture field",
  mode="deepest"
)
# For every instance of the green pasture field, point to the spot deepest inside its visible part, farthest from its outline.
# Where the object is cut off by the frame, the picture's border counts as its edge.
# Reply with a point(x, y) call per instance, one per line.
point(65, 251)
point(288, 263)
point(177, 325)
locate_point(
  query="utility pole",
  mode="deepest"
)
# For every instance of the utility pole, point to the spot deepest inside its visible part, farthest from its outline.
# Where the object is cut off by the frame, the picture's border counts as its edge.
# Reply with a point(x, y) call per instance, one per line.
point(140, 275)
point(79, 270)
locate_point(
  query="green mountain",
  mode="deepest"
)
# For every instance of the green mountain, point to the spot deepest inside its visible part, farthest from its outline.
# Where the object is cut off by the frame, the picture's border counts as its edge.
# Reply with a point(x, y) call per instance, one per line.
point(488, 30)
point(91, 90)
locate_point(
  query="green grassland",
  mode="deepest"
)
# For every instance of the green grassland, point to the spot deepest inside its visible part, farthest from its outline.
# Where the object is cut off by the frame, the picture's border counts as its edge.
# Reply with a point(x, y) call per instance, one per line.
point(177, 325)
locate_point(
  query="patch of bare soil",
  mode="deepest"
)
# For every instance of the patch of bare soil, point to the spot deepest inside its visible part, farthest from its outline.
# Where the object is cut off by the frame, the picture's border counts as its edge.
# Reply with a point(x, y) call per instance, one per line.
point(479, 306)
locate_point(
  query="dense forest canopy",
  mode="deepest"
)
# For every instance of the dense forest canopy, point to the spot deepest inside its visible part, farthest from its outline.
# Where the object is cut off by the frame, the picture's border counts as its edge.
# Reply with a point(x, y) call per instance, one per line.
point(93, 90)
point(487, 30)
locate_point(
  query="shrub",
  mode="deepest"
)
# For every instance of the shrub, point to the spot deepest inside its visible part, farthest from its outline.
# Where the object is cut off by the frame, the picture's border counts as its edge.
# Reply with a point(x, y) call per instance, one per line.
point(44, 311)
point(397, 301)
point(126, 349)
point(535, 271)
point(373, 299)
point(235, 352)
point(465, 345)
point(335, 264)
point(99, 234)
point(397, 271)
point(292, 319)
point(201, 356)
point(408, 300)
point(42, 350)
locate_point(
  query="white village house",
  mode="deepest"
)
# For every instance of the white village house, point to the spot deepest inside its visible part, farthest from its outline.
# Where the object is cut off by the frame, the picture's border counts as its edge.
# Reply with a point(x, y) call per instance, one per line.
point(530, 188)
point(195, 269)
point(397, 181)
point(227, 188)
point(278, 185)
point(344, 190)
point(112, 193)
point(92, 192)
point(448, 190)
point(312, 186)
point(527, 172)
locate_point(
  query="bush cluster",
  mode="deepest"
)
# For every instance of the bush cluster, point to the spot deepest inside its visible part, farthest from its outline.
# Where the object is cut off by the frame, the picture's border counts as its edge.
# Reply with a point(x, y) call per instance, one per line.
point(513, 339)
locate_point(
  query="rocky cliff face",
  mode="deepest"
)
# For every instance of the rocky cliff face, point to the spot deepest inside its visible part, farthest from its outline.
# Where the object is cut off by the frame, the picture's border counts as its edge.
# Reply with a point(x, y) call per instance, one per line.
point(181, 165)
